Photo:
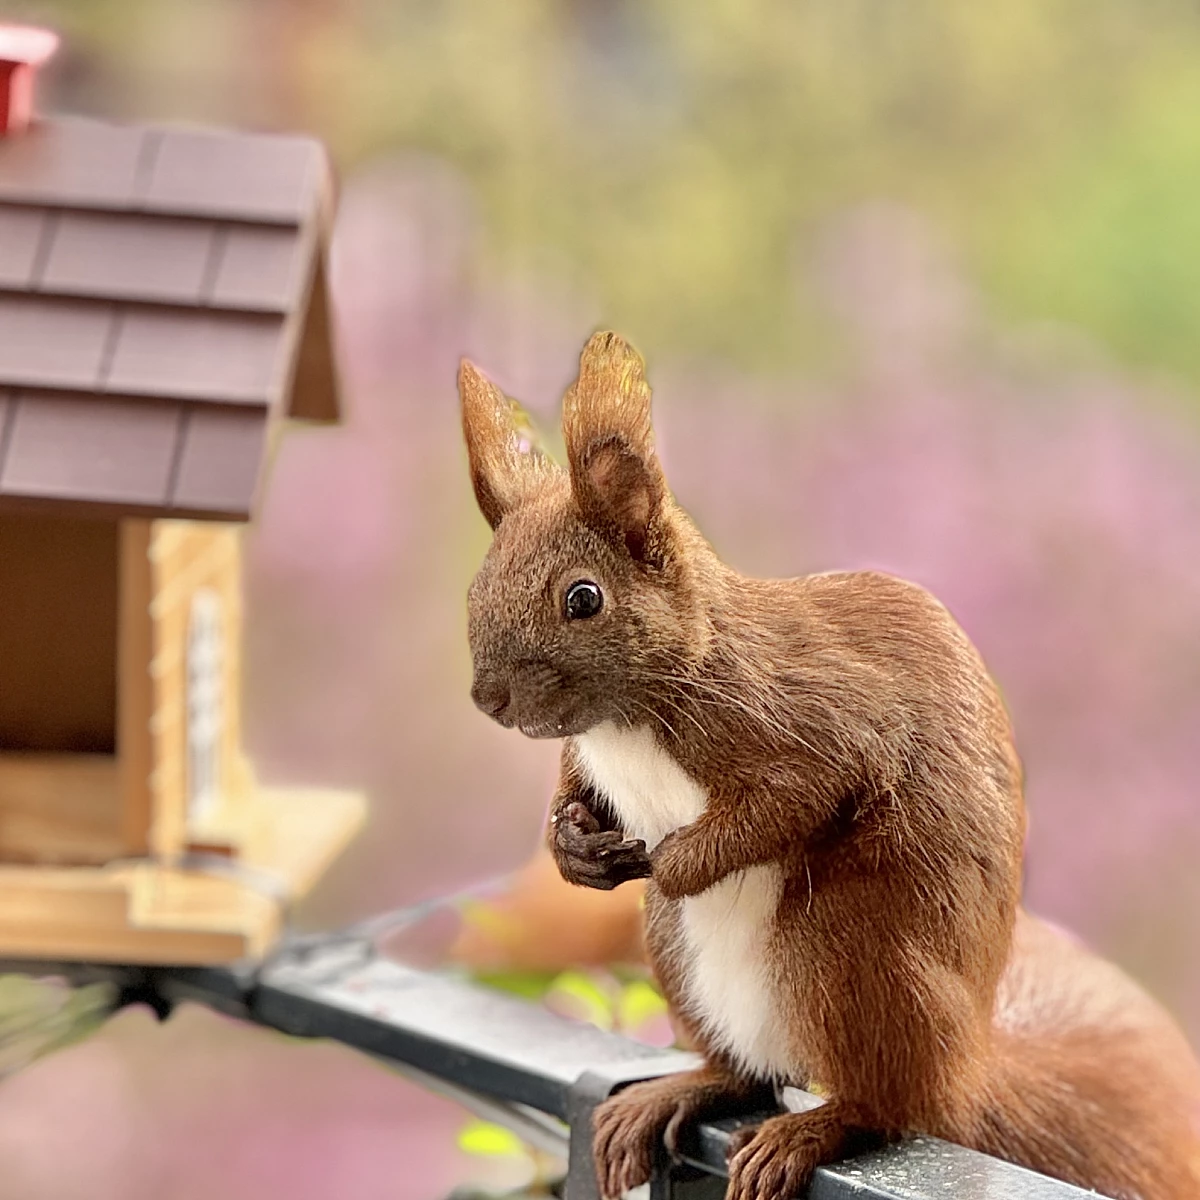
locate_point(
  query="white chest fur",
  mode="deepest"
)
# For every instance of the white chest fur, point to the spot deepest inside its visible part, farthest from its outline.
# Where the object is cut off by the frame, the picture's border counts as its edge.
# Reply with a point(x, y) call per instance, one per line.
point(651, 792)
point(726, 930)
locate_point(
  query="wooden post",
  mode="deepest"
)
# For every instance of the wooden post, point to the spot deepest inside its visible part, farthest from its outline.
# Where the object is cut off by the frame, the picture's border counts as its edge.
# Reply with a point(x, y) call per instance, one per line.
point(134, 691)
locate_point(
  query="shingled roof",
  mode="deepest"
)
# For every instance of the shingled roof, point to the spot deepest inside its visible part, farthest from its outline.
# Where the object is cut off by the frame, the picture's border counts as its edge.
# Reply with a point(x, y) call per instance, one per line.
point(162, 298)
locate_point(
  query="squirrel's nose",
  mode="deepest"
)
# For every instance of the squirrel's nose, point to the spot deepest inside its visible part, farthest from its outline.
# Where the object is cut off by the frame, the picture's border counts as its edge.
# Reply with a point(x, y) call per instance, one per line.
point(491, 698)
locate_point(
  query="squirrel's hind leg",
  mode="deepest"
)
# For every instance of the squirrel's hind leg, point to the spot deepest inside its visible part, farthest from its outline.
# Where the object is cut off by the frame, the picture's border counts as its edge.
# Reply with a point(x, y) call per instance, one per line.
point(776, 1160)
point(630, 1127)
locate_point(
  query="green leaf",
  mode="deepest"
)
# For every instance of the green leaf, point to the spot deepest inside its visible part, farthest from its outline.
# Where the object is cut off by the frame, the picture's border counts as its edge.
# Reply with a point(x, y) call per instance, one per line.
point(638, 1004)
point(584, 997)
point(38, 1016)
point(529, 985)
point(485, 1140)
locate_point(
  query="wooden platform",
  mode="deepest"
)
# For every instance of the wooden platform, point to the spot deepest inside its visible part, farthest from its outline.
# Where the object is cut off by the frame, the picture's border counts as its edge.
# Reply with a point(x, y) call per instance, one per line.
point(144, 912)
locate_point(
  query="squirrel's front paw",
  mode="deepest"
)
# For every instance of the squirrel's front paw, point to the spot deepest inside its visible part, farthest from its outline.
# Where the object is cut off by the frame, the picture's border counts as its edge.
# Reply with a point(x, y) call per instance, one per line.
point(593, 857)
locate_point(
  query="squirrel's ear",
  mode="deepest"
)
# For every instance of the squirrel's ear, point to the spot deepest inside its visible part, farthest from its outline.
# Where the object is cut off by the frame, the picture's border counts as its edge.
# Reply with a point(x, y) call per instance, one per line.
point(615, 475)
point(502, 445)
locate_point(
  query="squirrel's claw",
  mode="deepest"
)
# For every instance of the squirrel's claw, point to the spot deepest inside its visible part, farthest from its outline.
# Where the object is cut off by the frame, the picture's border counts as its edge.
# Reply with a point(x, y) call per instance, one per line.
point(593, 857)
point(776, 1160)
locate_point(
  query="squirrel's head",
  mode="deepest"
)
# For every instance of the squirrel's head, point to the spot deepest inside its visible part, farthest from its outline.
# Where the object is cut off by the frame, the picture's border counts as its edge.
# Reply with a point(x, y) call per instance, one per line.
point(586, 604)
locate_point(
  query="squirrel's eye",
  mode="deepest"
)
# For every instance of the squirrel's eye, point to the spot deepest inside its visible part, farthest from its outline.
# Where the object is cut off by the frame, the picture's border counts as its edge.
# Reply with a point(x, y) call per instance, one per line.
point(584, 599)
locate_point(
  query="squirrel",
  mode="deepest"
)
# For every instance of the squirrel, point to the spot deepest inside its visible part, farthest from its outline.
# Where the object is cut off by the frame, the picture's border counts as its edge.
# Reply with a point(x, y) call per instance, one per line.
point(817, 778)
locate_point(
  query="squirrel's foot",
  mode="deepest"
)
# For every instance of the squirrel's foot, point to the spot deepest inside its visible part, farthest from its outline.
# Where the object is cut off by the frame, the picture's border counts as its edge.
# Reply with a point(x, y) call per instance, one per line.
point(776, 1160)
point(590, 856)
point(630, 1126)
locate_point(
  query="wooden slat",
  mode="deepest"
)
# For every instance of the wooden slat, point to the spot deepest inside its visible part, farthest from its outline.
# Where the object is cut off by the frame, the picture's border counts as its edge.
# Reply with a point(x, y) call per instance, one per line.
point(20, 232)
point(230, 358)
point(59, 808)
point(98, 165)
point(52, 341)
point(93, 915)
point(135, 698)
point(221, 461)
point(126, 256)
point(147, 913)
point(238, 176)
point(168, 783)
point(72, 162)
point(91, 449)
point(198, 903)
point(188, 556)
point(261, 267)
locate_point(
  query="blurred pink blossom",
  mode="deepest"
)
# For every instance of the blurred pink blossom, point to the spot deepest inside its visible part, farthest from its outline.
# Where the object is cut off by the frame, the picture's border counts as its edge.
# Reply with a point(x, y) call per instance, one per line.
point(1051, 500)
point(201, 1106)
point(1053, 505)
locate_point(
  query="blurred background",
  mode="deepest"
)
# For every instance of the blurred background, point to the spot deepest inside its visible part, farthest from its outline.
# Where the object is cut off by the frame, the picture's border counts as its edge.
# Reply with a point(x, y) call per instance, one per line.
point(918, 289)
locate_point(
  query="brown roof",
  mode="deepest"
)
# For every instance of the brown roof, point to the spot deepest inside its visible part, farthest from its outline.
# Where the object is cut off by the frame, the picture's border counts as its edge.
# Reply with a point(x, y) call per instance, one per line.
point(162, 297)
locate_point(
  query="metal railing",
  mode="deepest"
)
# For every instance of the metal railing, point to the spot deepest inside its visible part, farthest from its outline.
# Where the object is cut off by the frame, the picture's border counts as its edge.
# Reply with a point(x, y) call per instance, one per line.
point(521, 1066)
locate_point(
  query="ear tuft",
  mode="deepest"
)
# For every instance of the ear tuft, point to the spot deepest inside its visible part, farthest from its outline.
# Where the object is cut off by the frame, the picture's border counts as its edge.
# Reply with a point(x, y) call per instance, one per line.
point(505, 452)
point(615, 475)
point(610, 395)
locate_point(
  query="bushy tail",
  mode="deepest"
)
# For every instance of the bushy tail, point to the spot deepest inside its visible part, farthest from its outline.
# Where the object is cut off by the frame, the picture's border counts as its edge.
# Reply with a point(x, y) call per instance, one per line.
point(1092, 1108)
point(1091, 1080)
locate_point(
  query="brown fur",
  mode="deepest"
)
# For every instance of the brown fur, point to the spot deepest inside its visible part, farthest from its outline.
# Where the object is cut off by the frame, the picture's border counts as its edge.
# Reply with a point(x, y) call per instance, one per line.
point(844, 729)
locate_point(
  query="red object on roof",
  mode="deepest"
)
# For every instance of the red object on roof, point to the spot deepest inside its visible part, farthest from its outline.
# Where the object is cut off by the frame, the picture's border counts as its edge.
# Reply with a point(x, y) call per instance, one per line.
point(23, 48)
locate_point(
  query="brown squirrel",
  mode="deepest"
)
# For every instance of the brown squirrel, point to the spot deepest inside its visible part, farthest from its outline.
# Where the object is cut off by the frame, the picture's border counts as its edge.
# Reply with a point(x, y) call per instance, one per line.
point(818, 778)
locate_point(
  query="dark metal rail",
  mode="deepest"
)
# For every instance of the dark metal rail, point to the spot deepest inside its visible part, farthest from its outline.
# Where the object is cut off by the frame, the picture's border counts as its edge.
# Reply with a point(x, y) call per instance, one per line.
point(540, 1073)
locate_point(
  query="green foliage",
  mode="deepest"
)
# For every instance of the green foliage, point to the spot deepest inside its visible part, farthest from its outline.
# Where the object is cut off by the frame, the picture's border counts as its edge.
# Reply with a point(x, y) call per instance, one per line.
point(529, 985)
point(681, 154)
point(639, 1003)
point(610, 999)
point(39, 1016)
point(485, 1140)
point(586, 997)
